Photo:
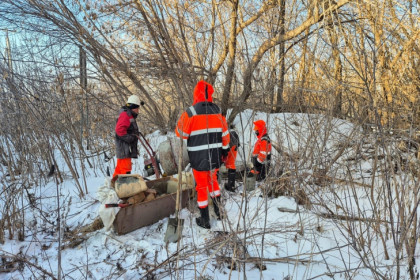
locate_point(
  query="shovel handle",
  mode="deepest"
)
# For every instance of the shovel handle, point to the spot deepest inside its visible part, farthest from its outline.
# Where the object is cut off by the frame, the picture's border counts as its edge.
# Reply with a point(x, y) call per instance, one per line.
point(121, 205)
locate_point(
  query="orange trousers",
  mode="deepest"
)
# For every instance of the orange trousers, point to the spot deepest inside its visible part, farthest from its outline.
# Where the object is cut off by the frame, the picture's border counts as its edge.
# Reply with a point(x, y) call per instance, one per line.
point(123, 166)
point(231, 158)
point(206, 180)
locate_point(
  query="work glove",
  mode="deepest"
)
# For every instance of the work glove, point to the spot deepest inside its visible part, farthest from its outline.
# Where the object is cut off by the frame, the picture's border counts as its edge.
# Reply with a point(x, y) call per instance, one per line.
point(136, 137)
point(128, 138)
point(253, 172)
point(257, 165)
point(225, 153)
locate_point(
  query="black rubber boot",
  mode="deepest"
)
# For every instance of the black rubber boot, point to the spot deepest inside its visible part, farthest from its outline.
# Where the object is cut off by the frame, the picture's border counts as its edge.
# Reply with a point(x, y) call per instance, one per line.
point(230, 185)
point(204, 220)
point(216, 204)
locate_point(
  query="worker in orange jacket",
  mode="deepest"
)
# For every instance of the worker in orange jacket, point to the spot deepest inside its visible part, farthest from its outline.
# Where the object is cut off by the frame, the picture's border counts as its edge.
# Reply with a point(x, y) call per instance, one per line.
point(231, 159)
point(206, 131)
point(261, 155)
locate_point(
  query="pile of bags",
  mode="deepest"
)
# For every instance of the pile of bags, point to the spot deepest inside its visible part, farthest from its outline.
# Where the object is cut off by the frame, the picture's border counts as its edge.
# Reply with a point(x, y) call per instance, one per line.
point(128, 189)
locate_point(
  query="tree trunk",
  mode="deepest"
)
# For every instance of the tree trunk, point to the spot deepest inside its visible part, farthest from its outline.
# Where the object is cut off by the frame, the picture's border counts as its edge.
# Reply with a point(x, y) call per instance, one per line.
point(338, 69)
point(298, 99)
point(231, 63)
point(280, 89)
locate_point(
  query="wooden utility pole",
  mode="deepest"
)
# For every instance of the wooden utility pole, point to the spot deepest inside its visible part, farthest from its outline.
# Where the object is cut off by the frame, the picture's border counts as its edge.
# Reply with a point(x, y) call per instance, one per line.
point(282, 46)
point(9, 53)
point(7, 96)
point(83, 84)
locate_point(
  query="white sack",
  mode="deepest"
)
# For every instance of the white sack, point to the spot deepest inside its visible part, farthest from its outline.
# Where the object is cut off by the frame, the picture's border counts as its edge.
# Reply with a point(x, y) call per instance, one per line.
point(106, 194)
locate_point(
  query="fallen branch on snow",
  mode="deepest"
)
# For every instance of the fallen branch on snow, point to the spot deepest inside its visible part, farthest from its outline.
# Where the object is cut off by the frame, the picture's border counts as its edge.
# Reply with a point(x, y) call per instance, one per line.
point(335, 216)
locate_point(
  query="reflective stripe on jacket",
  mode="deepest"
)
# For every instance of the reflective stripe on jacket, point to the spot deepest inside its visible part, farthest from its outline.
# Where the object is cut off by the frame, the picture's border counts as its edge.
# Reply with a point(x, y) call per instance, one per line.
point(206, 132)
point(262, 149)
point(205, 129)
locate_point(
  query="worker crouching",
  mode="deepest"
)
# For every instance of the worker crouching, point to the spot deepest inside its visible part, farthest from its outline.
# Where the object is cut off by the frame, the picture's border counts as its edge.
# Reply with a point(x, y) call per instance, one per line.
point(261, 155)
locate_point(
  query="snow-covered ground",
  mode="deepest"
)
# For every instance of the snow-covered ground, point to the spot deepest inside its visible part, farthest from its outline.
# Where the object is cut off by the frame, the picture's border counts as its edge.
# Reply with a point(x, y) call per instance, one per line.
point(335, 236)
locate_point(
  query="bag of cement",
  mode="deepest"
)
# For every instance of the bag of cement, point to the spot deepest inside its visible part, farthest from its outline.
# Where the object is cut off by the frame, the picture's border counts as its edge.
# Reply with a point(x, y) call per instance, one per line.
point(136, 198)
point(150, 195)
point(129, 185)
point(187, 182)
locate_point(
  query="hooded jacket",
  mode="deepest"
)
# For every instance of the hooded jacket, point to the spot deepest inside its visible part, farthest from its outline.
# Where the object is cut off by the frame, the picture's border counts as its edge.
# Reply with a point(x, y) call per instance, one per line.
point(262, 148)
point(126, 131)
point(205, 129)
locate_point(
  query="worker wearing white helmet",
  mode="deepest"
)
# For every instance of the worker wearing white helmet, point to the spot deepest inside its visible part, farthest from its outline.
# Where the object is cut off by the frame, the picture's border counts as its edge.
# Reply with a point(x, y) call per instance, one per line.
point(134, 99)
point(126, 133)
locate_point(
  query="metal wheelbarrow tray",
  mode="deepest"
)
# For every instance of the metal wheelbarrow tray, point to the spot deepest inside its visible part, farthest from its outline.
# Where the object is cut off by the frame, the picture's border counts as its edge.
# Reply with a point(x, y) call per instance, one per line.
point(146, 213)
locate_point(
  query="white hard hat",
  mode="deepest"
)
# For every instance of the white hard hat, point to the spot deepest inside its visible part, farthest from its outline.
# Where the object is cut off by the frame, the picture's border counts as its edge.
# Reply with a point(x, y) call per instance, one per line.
point(134, 99)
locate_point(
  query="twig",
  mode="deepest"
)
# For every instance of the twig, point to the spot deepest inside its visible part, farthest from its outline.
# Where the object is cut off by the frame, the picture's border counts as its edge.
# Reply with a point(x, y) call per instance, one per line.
point(336, 216)
point(20, 259)
point(349, 218)
point(257, 260)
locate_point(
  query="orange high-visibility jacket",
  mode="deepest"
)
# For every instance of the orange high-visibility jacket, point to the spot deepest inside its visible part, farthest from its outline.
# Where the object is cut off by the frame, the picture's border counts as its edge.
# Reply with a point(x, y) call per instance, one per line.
point(262, 148)
point(233, 144)
point(205, 129)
